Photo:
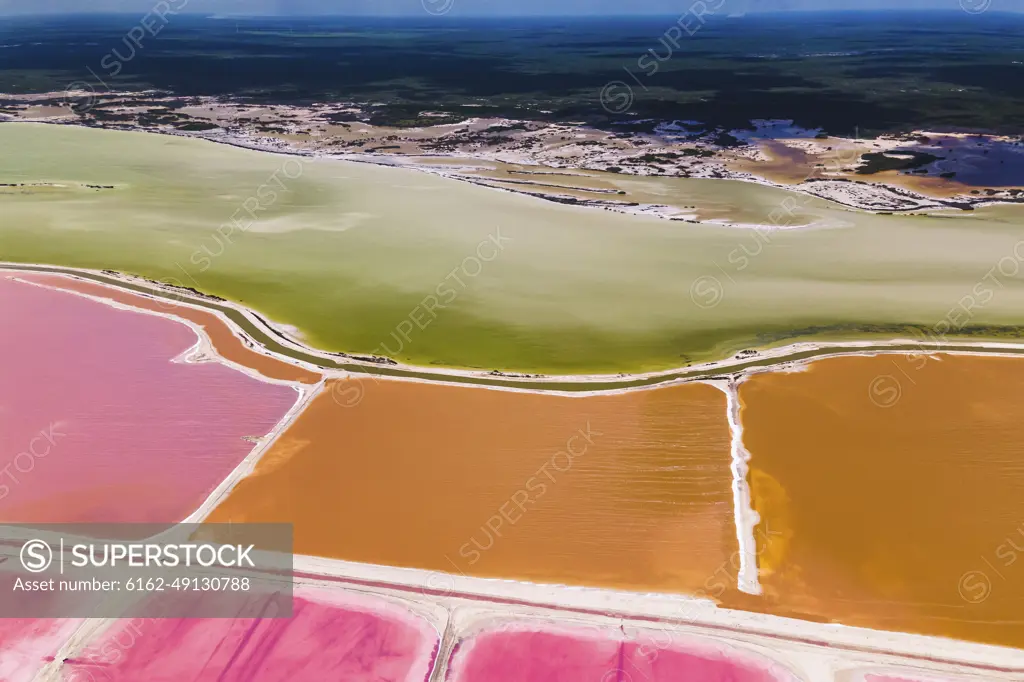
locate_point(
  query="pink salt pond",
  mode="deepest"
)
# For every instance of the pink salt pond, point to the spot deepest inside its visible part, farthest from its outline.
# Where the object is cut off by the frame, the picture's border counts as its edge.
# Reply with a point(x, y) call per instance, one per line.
point(26, 645)
point(327, 639)
point(97, 424)
point(535, 657)
point(566, 656)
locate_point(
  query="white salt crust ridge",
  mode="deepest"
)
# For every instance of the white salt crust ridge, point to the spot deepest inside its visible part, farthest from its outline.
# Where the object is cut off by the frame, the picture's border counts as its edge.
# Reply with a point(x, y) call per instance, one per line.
point(746, 518)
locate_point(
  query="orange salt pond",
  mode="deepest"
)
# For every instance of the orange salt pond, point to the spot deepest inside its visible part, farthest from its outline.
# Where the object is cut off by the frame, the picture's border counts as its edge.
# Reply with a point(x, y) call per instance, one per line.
point(227, 345)
point(891, 492)
point(482, 482)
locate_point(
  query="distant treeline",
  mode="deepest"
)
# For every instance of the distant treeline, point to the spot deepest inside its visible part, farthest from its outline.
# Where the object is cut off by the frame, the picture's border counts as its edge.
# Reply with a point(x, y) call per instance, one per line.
point(848, 74)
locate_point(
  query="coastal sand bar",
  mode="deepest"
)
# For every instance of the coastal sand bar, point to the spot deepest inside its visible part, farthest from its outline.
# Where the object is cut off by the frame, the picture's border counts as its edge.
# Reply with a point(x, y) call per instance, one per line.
point(891, 485)
point(626, 490)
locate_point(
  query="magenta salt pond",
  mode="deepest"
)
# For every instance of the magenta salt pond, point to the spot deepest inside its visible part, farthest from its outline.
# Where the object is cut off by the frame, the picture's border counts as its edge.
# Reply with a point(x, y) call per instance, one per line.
point(98, 424)
point(568, 656)
point(329, 638)
point(26, 645)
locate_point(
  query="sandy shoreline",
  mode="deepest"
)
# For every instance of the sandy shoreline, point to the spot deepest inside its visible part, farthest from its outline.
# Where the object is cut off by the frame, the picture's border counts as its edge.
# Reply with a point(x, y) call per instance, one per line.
point(876, 197)
point(773, 154)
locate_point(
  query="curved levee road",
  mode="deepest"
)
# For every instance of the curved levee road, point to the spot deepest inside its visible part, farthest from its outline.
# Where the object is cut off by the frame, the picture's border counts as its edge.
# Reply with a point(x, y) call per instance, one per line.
point(263, 333)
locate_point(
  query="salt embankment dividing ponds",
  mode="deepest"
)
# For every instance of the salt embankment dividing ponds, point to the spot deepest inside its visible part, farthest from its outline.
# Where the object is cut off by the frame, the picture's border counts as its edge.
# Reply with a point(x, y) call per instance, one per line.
point(345, 636)
point(98, 424)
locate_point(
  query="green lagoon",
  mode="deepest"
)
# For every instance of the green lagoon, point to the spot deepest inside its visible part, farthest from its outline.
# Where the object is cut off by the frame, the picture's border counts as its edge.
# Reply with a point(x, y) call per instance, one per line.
point(352, 255)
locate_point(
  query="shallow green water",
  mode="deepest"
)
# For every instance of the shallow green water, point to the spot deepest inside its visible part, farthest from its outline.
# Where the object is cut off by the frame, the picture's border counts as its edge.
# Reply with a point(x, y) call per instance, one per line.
point(348, 253)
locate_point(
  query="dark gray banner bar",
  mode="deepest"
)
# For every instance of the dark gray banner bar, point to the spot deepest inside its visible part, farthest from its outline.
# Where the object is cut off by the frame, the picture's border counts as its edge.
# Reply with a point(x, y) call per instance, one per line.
point(236, 570)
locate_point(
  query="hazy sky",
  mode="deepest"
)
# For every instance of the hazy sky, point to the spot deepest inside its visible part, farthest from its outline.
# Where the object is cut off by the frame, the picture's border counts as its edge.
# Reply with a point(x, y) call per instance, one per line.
point(483, 7)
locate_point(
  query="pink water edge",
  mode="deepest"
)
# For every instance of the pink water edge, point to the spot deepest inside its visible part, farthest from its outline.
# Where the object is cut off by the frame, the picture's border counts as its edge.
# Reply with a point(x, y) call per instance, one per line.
point(97, 424)
point(329, 638)
point(565, 656)
point(27, 644)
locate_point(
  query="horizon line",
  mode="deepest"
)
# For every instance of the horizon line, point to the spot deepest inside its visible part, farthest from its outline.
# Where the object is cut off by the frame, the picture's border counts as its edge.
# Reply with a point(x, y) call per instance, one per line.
point(471, 15)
